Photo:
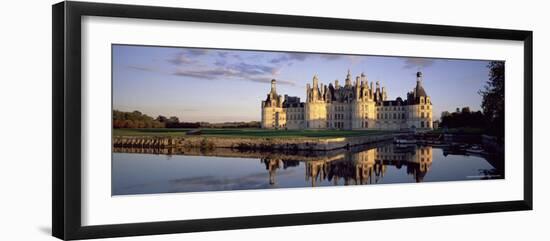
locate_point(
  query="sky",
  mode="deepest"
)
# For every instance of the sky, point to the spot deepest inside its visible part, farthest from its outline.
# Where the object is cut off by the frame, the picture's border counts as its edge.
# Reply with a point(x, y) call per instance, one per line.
point(222, 85)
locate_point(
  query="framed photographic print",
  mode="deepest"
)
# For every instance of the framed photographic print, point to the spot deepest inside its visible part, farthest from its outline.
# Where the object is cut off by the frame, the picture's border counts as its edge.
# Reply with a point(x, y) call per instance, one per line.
point(170, 120)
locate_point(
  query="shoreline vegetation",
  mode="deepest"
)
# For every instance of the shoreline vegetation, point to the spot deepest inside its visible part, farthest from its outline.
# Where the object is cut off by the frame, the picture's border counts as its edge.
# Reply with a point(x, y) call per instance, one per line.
point(246, 132)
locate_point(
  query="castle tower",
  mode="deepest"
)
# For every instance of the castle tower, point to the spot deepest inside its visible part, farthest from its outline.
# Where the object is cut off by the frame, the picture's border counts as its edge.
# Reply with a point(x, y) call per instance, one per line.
point(273, 86)
point(273, 115)
point(348, 79)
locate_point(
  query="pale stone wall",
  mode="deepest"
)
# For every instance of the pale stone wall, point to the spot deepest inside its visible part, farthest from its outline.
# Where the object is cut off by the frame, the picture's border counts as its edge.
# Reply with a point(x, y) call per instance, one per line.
point(273, 118)
point(316, 115)
point(295, 118)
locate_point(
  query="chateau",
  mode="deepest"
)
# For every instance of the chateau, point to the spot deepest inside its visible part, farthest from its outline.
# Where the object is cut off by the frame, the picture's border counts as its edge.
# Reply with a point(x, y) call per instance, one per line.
point(354, 106)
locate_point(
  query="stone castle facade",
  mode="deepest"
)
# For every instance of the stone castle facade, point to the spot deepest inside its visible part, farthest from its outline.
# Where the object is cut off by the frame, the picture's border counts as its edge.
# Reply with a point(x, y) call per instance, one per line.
point(354, 106)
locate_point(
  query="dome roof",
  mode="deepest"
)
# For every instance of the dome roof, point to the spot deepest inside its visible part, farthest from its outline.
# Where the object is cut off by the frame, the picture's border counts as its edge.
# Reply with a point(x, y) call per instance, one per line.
point(420, 91)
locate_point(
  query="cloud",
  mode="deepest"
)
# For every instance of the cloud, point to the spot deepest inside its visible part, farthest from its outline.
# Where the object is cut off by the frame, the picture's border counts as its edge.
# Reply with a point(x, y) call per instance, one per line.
point(255, 69)
point(331, 56)
point(225, 65)
point(268, 80)
point(220, 62)
point(287, 57)
point(242, 71)
point(142, 68)
point(417, 63)
point(209, 74)
point(222, 54)
point(196, 52)
point(188, 56)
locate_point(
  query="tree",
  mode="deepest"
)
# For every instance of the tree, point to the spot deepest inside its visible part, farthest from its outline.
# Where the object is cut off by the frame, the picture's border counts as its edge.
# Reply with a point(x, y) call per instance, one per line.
point(464, 118)
point(161, 118)
point(493, 97)
point(174, 119)
point(134, 119)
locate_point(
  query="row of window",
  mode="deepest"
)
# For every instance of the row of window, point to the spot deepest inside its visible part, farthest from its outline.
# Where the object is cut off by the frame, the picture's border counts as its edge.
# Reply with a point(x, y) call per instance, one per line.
point(296, 117)
point(389, 116)
point(399, 108)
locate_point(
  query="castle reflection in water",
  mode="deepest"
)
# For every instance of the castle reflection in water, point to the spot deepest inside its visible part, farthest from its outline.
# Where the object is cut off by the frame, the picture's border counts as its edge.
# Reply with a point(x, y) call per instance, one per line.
point(358, 168)
point(355, 166)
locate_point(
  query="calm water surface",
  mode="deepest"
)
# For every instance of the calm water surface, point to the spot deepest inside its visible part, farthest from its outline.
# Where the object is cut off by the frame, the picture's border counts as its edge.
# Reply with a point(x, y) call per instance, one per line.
point(138, 171)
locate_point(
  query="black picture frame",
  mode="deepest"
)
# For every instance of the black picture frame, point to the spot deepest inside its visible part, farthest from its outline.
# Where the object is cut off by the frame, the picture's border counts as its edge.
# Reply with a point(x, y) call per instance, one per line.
point(66, 158)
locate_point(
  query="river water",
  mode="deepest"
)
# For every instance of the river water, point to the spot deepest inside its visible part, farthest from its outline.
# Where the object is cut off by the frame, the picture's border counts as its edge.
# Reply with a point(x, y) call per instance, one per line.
point(142, 171)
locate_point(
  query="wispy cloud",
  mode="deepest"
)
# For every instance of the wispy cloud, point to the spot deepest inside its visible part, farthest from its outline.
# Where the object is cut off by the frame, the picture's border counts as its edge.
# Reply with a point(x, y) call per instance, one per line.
point(243, 71)
point(142, 68)
point(188, 56)
point(268, 80)
point(287, 57)
point(209, 74)
point(331, 56)
point(224, 65)
point(255, 69)
point(417, 63)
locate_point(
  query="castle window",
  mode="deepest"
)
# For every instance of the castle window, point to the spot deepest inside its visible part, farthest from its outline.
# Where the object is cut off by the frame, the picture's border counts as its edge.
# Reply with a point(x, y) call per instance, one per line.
point(422, 115)
point(403, 116)
point(422, 107)
point(394, 116)
point(422, 124)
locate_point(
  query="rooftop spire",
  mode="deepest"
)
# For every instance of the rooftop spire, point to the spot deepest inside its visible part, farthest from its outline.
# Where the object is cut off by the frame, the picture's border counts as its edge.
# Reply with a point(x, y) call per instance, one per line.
point(419, 90)
point(315, 80)
point(273, 86)
point(348, 79)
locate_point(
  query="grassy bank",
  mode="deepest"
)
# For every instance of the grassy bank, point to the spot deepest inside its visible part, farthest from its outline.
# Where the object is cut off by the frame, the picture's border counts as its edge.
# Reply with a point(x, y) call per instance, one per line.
point(247, 132)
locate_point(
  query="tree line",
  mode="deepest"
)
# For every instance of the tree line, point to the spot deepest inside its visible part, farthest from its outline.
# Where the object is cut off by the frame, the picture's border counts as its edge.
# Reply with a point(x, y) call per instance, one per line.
point(463, 118)
point(136, 119)
point(492, 104)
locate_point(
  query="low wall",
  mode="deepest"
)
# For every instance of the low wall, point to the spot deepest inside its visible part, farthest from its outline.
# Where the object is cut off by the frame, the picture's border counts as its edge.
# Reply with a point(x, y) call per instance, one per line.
point(271, 143)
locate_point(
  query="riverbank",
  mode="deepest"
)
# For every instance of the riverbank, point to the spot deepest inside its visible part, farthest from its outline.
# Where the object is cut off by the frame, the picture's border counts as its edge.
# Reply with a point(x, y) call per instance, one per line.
point(283, 142)
point(244, 132)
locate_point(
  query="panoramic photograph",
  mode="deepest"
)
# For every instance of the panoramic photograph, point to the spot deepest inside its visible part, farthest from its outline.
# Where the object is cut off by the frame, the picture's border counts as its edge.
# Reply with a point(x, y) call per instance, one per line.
point(203, 119)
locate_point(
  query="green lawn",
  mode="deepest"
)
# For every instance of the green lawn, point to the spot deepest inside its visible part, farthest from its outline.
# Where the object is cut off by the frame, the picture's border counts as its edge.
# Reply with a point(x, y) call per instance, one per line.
point(247, 132)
